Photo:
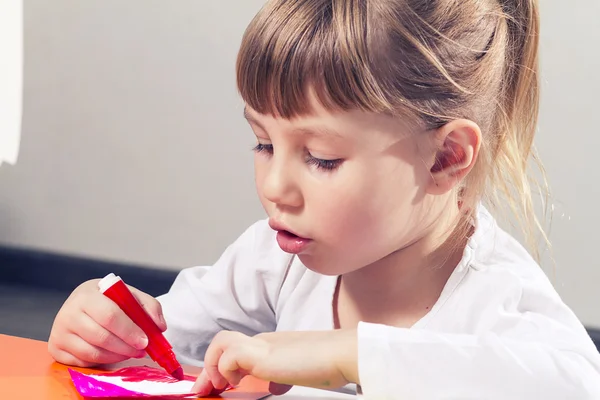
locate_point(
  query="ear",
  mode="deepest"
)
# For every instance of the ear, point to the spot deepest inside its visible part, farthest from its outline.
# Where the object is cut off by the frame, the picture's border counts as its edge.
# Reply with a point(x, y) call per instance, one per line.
point(456, 149)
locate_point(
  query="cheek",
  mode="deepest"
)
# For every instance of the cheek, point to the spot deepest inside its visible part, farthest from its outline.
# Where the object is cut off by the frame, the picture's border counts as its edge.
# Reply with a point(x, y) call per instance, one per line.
point(373, 214)
point(259, 177)
point(343, 215)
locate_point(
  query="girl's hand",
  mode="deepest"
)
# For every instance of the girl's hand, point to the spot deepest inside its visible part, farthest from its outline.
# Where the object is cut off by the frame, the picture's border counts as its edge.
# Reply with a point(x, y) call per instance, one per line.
point(90, 329)
point(324, 360)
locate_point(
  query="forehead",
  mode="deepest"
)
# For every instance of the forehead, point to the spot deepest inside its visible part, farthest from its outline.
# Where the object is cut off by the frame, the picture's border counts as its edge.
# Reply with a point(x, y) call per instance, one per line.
point(319, 121)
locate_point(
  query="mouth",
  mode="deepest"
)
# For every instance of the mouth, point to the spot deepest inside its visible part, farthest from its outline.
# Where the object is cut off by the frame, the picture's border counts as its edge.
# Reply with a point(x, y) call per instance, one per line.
point(276, 226)
point(289, 241)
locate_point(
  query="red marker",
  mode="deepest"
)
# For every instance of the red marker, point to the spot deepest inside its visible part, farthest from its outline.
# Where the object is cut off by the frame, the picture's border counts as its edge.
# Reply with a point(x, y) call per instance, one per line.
point(159, 349)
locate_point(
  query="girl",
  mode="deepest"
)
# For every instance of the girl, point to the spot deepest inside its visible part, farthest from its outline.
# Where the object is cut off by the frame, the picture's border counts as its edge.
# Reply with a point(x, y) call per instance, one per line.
point(382, 127)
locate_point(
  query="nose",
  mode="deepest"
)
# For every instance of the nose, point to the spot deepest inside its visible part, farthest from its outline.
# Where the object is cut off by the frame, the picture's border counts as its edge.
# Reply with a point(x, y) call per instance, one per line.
point(279, 184)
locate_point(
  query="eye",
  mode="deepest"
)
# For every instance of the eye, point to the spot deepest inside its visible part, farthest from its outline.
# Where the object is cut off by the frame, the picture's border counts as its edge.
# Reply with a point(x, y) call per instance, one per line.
point(263, 148)
point(325, 165)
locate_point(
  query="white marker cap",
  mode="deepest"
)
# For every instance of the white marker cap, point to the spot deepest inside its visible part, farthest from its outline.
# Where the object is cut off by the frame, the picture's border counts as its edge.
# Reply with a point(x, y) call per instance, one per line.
point(107, 282)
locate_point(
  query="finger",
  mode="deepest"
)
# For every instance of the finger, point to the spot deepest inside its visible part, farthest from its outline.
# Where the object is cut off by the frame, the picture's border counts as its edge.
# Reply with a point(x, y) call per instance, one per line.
point(203, 386)
point(229, 367)
point(66, 358)
point(211, 366)
point(279, 389)
point(240, 355)
point(108, 315)
point(90, 331)
point(213, 354)
point(152, 307)
point(89, 353)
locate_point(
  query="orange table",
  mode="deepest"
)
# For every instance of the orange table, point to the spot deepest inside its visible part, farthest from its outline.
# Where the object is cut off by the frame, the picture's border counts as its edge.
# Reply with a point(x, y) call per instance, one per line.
point(27, 371)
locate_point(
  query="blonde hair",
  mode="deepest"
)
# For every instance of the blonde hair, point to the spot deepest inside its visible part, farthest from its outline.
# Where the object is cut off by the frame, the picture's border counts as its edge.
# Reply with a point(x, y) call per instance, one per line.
point(433, 60)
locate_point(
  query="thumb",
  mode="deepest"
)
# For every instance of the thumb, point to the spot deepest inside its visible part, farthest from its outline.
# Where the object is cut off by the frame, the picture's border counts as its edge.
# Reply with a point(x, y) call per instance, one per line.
point(152, 307)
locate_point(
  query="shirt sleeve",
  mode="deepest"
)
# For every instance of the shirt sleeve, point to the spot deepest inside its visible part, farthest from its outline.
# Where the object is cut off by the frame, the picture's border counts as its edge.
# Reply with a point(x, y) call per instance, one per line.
point(238, 293)
point(420, 364)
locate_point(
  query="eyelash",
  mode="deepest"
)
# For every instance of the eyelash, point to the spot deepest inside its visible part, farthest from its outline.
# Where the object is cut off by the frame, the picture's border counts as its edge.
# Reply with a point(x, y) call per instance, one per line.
point(325, 165)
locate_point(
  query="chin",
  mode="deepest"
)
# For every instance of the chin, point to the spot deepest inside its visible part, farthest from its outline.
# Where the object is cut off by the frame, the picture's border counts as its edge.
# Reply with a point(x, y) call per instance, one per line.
point(320, 265)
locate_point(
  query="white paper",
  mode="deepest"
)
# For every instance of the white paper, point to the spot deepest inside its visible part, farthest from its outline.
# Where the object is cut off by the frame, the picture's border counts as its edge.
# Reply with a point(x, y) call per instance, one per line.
point(11, 78)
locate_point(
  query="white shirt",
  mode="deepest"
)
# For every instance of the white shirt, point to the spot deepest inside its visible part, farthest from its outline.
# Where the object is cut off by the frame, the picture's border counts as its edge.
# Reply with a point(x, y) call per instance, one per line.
point(498, 331)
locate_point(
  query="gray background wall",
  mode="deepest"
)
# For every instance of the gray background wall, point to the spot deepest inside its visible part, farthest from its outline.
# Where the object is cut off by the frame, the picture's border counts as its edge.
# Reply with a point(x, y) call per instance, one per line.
point(134, 148)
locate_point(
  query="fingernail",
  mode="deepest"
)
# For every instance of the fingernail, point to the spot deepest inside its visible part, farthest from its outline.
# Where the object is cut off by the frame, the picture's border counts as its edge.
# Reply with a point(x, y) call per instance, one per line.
point(141, 343)
point(162, 320)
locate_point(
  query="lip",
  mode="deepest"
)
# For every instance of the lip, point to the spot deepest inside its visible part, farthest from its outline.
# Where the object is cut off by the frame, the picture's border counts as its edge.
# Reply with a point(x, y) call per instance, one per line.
point(288, 240)
point(279, 227)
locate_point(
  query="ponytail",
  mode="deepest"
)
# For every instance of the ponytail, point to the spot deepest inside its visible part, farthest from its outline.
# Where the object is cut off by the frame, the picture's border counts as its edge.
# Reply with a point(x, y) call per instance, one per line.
point(517, 121)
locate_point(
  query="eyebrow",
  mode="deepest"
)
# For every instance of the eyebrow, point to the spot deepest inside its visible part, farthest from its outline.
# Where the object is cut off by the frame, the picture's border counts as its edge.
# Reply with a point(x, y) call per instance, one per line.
point(321, 131)
point(251, 119)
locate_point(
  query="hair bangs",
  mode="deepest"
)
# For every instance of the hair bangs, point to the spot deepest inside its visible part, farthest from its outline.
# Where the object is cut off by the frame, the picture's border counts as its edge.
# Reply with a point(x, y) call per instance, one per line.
point(296, 49)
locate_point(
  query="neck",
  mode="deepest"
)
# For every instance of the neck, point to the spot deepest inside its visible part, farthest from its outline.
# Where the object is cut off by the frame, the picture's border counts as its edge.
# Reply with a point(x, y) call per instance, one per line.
point(405, 284)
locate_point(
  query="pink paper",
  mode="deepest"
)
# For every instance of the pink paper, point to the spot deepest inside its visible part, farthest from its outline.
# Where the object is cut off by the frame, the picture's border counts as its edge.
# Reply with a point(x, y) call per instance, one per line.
point(132, 382)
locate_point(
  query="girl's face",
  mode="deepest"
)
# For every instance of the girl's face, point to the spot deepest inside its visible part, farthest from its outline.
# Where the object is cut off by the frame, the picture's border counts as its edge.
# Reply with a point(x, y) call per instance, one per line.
point(344, 189)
